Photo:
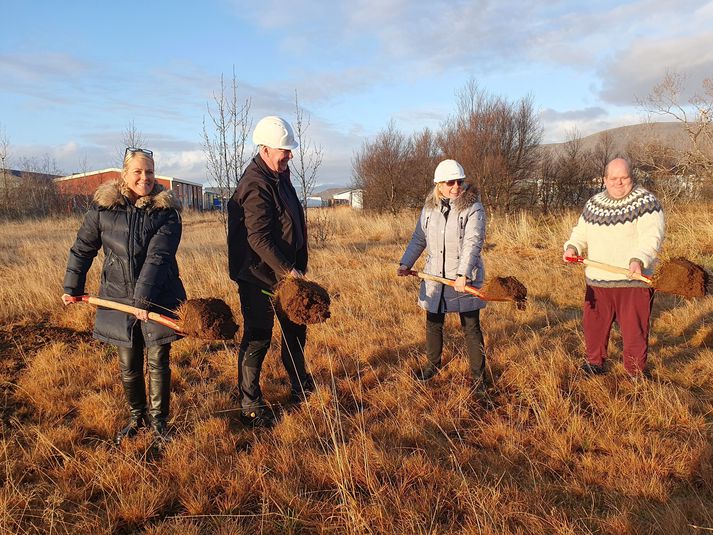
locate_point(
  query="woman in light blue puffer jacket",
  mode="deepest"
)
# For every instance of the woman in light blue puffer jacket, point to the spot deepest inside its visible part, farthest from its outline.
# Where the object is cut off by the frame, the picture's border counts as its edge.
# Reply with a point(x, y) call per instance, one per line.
point(451, 230)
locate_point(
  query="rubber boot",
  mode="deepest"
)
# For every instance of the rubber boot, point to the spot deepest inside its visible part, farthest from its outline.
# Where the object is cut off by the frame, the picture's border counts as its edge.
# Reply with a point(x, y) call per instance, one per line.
point(434, 346)
point(475, 346)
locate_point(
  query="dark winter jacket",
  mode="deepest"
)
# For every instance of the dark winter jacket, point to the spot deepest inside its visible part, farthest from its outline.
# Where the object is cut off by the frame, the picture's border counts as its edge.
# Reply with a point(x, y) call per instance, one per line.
point(140, 269)
point(453, 244)
point(267, 235)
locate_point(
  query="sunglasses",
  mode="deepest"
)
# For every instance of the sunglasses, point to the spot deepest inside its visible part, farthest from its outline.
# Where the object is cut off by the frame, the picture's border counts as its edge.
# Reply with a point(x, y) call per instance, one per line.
point(134, 150)
point(451, 183)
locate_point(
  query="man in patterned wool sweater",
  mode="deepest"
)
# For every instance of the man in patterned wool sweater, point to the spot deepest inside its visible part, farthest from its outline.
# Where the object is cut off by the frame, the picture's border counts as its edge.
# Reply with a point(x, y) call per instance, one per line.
point(621, 226)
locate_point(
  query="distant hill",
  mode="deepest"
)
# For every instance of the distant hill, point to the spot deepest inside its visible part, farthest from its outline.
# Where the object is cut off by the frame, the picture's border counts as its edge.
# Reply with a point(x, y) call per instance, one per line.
point(671, 134)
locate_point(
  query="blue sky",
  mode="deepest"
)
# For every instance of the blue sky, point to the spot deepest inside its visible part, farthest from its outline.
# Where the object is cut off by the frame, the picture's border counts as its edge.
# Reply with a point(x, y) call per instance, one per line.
point(74, 74)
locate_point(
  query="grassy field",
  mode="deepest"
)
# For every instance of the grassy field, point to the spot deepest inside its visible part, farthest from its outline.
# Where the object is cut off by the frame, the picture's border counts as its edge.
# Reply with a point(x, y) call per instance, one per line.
point(546, 450)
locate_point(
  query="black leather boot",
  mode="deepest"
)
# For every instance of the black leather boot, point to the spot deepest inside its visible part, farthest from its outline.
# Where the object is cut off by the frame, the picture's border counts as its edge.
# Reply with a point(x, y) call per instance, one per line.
point(131, 429)
point(159, 389)
point(131, 362)
point(159, 428)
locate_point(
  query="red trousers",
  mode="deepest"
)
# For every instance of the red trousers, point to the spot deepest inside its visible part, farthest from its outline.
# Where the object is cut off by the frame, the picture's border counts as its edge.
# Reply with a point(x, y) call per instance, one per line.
point(631, 308)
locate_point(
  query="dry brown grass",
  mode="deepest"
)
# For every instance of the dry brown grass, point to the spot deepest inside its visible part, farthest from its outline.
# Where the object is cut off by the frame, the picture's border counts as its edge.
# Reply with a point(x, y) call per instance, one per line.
point(373, 451)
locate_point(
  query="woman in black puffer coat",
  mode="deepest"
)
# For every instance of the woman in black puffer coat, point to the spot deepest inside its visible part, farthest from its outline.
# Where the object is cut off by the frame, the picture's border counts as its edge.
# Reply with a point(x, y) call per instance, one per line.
point(138, 225)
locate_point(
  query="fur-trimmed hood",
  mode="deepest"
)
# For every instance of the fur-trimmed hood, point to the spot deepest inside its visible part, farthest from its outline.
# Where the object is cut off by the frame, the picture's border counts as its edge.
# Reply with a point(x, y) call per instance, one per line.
point(115, 193)
point(468, 198)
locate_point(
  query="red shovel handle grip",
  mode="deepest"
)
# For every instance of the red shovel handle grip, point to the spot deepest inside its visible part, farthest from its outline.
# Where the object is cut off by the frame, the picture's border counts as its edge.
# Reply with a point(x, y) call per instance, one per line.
point(574, 259)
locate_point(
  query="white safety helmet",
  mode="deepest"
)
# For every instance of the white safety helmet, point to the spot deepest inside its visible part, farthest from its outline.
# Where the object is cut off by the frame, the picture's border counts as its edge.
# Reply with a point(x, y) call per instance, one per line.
point(448, 170)
point(274, 132)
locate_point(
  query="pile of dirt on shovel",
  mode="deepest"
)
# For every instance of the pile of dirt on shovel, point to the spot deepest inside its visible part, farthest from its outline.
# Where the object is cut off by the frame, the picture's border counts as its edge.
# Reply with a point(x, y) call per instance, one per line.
point(303, 301)
point(508, 288)
point(209, 319)
point(681, 277)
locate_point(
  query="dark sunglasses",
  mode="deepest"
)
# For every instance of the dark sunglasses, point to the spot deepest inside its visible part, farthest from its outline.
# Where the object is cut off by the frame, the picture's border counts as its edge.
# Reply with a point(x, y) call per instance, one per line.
point(134, 150)
point(451, 183)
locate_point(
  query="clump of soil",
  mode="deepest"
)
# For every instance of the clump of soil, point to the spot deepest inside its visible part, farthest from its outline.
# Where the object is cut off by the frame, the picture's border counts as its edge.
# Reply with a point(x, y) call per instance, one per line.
point(681, 277)
point(209, 319)
point(302, 301)
point(506, 288)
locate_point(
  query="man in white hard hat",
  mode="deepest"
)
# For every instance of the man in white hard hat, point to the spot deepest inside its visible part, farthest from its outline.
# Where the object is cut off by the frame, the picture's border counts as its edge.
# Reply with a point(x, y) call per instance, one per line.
point(267, 240)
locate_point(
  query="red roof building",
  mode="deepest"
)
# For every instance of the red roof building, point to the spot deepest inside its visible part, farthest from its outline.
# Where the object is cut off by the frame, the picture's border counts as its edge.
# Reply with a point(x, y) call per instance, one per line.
point(78, 188)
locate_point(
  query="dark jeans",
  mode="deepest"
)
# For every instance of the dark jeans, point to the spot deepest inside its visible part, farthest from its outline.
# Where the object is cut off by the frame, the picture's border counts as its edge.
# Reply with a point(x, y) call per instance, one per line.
point(258, 319)
point(475, 346)
point(131, 364)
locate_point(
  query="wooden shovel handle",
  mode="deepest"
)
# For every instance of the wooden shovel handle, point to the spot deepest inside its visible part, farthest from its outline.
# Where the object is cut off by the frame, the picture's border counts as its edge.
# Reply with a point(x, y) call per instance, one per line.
point(153, 316)
point(450, 282)
point(610, 268)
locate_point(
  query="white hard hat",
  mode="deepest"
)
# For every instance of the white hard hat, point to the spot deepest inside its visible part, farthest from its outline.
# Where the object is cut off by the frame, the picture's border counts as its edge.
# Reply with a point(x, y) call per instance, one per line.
point(274, 132)
point(448, 170)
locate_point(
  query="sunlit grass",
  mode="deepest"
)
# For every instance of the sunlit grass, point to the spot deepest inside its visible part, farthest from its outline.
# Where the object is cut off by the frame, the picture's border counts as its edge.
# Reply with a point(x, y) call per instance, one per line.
point(373, 451)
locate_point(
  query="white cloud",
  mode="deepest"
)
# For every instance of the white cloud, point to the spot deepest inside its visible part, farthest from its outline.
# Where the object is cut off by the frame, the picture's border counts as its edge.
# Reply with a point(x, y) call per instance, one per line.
point(634, 74)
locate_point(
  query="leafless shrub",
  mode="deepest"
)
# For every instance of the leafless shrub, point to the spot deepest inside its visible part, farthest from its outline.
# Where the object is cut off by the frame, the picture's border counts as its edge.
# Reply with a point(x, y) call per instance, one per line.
point(395, 171)
point(30, 192)
point(320, 226)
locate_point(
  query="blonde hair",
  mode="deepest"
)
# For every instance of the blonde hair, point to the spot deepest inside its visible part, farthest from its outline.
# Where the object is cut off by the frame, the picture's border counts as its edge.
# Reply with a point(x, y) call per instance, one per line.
point(438, 196)
point(130, 155)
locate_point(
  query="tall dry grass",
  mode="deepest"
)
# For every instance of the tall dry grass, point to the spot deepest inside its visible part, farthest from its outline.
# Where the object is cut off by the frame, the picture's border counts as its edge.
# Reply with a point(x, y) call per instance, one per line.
point(373, 451)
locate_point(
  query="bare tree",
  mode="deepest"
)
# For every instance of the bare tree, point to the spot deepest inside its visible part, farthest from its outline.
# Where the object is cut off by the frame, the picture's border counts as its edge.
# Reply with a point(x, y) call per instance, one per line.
point(130, 137)
point(577, 179)
point(497, 143)
point(693, 170)
point(423, 160)
point(548, 180)
point(307, 156)
point(380, 169)
point(80, 202)
point(225, 135)
point(603, 153)
point(4, 148)
point(656, 165)
point(568, 175)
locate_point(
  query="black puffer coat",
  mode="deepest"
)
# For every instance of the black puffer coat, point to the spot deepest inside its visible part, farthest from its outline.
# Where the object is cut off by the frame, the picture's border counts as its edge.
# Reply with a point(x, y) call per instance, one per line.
point(140, 268)
point(267, 234)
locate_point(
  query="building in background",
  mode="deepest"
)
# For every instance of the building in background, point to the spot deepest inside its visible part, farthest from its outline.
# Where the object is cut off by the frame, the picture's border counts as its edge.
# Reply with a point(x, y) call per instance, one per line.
point(338, 197)
point(216, 198)
point(79, 188)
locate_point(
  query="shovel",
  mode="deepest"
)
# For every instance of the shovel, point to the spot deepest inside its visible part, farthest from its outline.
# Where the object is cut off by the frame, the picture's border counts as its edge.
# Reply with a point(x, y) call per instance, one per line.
point(153, 316)
point(450, 282)
point(609, 268)
point(677, 276)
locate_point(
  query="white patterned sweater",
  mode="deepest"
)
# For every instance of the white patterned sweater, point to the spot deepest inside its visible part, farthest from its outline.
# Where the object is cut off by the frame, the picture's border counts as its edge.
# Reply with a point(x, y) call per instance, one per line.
point(617, 231)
